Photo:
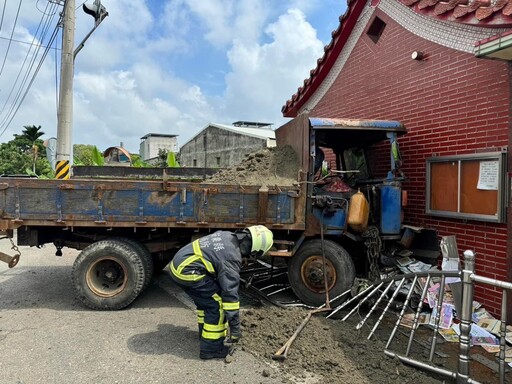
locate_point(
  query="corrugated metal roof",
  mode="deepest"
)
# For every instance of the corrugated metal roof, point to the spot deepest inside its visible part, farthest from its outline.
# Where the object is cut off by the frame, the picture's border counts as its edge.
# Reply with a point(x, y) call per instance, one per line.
point(260, 133)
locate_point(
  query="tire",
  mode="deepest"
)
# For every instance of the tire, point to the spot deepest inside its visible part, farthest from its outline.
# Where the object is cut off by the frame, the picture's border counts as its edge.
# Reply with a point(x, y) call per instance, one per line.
point(108, 275)
point(145, 256)
point(305, 271)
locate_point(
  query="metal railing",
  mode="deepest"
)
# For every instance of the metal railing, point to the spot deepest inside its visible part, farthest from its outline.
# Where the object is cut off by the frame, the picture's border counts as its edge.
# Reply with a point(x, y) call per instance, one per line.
point(378, 293)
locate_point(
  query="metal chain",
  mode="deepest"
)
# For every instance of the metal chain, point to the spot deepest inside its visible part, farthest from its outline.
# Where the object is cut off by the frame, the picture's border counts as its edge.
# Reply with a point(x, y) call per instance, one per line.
point(373, 245)
point(14, 247)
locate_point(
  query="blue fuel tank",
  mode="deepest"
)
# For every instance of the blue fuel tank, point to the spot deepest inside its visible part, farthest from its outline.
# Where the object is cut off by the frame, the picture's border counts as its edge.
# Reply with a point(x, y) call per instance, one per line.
point(390, 208)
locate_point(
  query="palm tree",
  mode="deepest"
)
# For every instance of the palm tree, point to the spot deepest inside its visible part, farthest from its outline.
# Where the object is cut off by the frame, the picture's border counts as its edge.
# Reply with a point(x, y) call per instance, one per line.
point(31, 134)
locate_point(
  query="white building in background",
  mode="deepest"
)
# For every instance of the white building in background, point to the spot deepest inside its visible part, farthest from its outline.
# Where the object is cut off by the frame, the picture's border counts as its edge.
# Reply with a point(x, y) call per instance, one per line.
point(152, 142)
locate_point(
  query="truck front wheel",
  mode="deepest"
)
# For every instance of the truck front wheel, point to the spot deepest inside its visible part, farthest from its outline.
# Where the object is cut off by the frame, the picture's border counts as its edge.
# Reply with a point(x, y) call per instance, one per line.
point(306, 271)
point(108, 275)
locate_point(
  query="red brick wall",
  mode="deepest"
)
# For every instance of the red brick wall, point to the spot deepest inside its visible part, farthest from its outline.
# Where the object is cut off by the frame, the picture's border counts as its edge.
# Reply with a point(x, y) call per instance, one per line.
point(451, 103)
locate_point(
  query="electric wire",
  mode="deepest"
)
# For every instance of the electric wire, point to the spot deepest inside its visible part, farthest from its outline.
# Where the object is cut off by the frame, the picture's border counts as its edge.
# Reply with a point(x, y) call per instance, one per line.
point(56, 79)
point(3, 13)
point(30, 84)
point(12, 34)
point(25, 42)
point(44, 26)
point(42, 36)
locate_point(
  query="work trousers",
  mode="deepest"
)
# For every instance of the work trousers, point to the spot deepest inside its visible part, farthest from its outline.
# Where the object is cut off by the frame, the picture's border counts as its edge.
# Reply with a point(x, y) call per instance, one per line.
point(210, 315)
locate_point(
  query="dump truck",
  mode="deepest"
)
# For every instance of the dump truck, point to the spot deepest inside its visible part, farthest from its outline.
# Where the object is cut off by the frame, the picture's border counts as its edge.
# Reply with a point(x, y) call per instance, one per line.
point(126, 229)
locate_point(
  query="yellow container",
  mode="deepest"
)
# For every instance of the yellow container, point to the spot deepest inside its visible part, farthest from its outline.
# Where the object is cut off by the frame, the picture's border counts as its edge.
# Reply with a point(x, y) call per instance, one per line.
point(358, 212)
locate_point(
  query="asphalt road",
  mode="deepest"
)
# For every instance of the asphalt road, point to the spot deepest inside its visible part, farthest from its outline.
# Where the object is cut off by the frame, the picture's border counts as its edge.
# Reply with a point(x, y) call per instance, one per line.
point(46, 336)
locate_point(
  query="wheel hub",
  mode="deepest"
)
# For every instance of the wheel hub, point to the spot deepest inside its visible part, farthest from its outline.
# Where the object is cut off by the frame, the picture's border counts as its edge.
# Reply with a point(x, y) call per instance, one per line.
point(312, 273)
point(106, 277)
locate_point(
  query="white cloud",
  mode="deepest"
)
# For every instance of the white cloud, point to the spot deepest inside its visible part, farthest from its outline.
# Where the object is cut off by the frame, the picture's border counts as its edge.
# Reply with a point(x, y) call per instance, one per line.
point(264, 76)
point(147, 69)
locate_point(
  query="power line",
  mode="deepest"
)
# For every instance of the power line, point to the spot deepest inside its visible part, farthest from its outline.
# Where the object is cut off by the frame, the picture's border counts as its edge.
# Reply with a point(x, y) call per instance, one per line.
point(3, 13)
point(23, 65)
point(30, 84)
point(27, 43)
point(43, 27)
point(12, 33)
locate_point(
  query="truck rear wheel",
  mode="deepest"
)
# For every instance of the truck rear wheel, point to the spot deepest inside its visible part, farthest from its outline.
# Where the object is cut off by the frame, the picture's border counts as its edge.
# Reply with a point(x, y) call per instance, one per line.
point(145, 255)
point(108, 275)
point(306, 271)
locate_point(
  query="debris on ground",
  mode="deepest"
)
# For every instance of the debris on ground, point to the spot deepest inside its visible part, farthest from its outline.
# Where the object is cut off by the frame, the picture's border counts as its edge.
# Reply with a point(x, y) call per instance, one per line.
point(330, 351)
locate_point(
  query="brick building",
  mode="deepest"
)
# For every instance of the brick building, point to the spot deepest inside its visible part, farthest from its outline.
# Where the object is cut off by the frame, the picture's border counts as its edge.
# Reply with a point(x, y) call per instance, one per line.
point(420, 62)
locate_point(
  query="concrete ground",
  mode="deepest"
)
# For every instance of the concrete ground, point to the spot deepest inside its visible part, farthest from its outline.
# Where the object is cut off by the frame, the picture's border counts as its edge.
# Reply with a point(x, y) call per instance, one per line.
point(46, 336)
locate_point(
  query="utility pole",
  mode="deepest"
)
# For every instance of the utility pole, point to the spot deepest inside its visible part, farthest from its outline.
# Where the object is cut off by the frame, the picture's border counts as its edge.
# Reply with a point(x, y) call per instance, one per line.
point(65, 112)
point(67, 69)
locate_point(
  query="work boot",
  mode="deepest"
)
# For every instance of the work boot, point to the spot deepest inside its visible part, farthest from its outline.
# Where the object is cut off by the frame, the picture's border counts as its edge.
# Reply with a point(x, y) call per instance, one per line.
point(219, 354)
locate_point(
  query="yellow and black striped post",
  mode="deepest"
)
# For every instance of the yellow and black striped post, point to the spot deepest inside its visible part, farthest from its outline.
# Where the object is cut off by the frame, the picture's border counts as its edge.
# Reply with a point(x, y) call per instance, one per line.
point(62, 170)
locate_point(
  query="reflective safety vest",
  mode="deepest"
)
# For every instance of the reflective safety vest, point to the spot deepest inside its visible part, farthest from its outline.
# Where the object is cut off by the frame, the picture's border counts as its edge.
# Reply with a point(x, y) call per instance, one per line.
point(217, 256)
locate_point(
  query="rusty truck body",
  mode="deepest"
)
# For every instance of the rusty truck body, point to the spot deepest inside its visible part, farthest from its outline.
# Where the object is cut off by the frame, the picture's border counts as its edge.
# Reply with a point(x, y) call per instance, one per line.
point(128, 228)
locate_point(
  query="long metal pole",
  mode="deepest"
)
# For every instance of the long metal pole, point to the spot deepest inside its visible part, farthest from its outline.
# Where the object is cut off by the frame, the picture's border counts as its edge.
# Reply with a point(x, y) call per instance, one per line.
point(465, 317)
point(65, 112)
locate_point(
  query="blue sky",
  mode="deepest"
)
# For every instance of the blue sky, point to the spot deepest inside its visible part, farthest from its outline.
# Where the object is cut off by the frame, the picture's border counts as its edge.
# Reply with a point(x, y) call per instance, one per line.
point(166, 66)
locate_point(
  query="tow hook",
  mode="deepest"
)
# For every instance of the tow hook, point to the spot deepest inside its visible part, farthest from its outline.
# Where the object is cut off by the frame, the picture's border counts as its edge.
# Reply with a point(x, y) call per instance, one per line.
point(10, 260)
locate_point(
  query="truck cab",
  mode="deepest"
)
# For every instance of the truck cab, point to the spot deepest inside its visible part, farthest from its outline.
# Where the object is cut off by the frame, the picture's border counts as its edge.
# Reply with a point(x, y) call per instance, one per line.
point(351, 179)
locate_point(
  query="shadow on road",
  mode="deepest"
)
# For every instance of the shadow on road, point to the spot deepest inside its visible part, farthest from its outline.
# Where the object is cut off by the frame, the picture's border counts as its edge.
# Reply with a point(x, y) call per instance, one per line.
point(168, 339)
point(25, 287)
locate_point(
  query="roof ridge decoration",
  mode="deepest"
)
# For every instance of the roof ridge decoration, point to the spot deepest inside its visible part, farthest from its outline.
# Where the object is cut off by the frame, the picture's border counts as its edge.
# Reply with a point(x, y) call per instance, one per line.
point(462, 12)
point(475, 12)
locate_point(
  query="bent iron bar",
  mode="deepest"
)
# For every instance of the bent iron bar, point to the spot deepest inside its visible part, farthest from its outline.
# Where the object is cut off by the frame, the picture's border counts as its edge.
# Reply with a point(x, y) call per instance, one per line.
point(469, 279)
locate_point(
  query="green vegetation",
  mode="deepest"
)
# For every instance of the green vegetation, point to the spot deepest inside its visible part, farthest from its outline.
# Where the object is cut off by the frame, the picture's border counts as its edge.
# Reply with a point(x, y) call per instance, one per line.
point(166, 159)
point(25, 154)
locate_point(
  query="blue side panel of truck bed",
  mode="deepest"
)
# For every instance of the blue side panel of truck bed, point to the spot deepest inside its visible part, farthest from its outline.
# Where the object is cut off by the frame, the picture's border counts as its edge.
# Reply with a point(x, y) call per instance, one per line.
point(124, 203)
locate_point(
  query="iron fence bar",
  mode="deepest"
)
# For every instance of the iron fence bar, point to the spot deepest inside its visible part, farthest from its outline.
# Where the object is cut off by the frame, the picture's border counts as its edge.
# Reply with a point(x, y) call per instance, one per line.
point(343, 305)
point(437, 317)
point(383, 294)
point(362, 301)
point(417, 316)
point(489, 281)
point(465, 317)
point(402, 312)
point(503, 334)
point(425, 366)
point(387, 308)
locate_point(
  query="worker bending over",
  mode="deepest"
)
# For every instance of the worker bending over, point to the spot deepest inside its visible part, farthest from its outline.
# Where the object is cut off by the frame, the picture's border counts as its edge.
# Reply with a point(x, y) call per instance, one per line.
point(208, 269)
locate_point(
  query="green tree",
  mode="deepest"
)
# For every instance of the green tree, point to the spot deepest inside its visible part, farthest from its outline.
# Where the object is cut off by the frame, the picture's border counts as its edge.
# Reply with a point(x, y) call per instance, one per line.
point(83, 154)
point(166, 159)
point(25, 154)
point(30, 141)
point(162, 158)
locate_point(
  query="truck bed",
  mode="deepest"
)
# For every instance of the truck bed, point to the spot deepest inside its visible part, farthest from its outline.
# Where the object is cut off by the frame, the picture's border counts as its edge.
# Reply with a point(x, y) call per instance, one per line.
point(146, 203)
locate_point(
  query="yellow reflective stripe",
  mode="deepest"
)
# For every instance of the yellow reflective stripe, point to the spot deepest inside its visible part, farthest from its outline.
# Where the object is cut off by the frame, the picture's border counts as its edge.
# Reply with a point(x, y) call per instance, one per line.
point(198, 252)
point(182, 276)
point(214, 331)
point(187, 262)
point(218, 299)
point(231, 306)
point(214, 327)
point(200, 316)
point(213, 335)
